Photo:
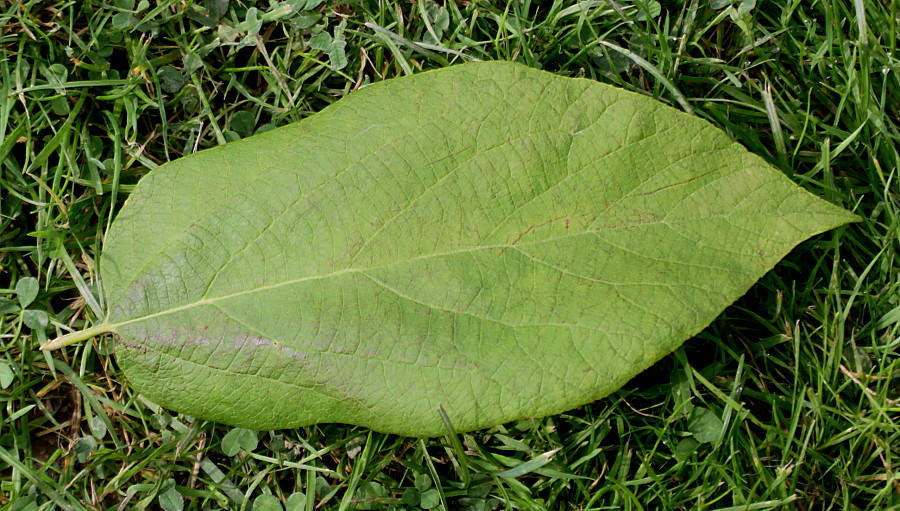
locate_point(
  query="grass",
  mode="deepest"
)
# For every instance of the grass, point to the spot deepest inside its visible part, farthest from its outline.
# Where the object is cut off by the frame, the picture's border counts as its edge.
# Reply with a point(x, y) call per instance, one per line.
point(789, 400)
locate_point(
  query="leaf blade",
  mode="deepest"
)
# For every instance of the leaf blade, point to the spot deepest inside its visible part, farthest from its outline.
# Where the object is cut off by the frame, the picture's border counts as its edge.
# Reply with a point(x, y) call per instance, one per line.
point(508, 255)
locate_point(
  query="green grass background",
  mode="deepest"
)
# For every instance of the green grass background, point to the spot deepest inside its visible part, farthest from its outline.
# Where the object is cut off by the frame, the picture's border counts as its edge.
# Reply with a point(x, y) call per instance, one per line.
point(789, 400)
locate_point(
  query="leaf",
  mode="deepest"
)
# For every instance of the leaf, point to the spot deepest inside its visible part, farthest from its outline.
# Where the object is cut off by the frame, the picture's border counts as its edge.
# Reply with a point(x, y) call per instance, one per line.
point(305, 20)
point(35, 319)
point(685, 448)
point(337, 58)
point(430, 499)
point(243, 123)
point(439, 20)
point(170, 499)
point(251, 23)
point(84, 447)
point(216, 8)
point(27, 290)
point(705, 425)
point(171, 79)
point(529, 466)
point(305, 5)
point(8, 306)
point(124, 20)
point(489, 239)
point(56, 74)
point(239, 439)
point(192, 62)
point(890, 317)
point(422, 482)
point(267, 502)
point(296, 502)
point(7, 376)
point(98, 427)
point(410, 497)
point(370, 495)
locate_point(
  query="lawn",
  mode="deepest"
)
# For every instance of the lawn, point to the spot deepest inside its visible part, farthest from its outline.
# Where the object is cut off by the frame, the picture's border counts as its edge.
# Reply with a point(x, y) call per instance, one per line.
point(790, 399)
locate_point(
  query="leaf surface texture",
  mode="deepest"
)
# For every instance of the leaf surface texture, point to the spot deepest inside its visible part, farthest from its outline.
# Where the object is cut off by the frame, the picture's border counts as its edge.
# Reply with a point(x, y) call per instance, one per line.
point(491, 239)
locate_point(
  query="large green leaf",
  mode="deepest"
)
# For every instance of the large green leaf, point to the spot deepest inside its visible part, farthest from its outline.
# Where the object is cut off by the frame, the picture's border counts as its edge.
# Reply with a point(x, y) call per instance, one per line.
point(488, 239)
